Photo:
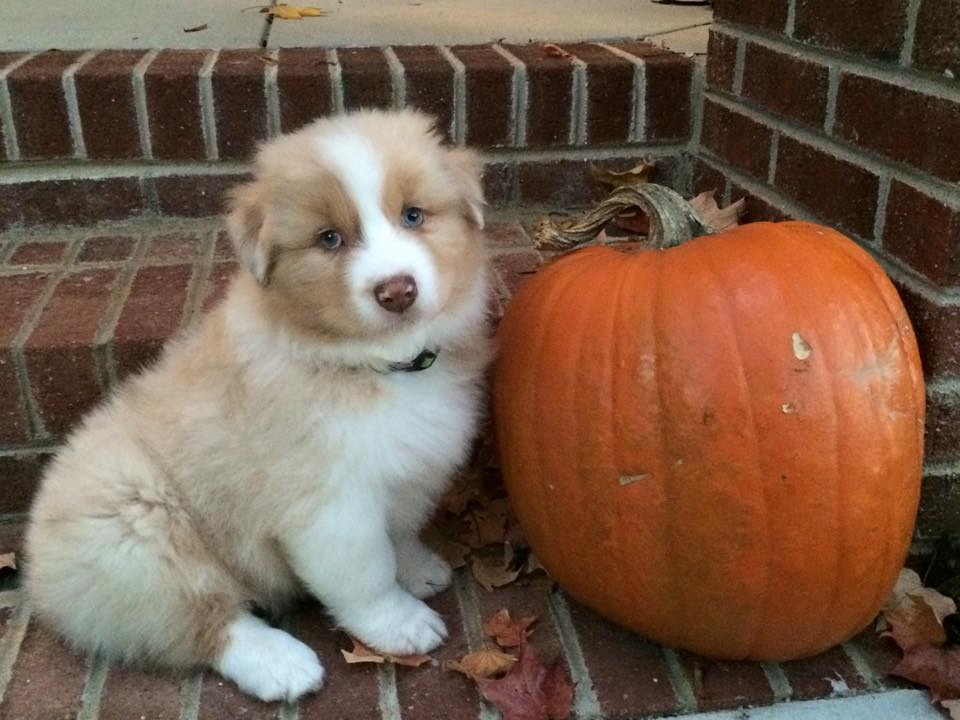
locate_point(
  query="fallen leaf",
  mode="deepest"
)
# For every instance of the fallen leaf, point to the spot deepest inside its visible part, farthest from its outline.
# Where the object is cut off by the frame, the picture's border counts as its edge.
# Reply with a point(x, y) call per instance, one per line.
point(491, 575)
point(507, 632)
point(363, 654)
point(488, 525)
point(713, 215)
point(529, 690)
point(453, 552)
point(636, 175)
point(294, 12)
point(551, 50)
point(937, 668)
point(533, 565)
point(913, 624)
point(466, 489)
point(198, 28)
point(8, 561)
point(484, 663)
point(952, 707)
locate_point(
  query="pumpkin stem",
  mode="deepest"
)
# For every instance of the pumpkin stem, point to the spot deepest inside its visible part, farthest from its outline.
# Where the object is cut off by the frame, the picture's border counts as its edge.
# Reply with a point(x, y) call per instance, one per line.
point(672, 220)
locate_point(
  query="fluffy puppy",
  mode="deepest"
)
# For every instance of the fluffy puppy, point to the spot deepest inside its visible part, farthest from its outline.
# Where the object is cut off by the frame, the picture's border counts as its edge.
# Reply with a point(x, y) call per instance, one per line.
point(298, 437)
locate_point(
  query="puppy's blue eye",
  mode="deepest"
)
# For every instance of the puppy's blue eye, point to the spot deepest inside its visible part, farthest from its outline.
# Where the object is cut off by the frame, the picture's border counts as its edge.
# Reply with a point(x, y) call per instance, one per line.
point(329, 239)
point(412, 217)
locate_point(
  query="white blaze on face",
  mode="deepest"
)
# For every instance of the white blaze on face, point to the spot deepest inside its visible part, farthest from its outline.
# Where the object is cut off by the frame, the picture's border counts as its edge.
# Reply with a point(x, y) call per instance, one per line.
point(386, 249)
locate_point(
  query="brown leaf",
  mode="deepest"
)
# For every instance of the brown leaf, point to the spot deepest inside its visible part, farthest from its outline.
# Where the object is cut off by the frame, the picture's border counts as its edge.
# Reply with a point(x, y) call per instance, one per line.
point(530, 691)
point(913, 624)
point(952, 707)
point(636, 175)
point(484, 663)
point(294, 12)
point(8, 561)
point(465, 489)
point(506, 631)
point(551, 50)
point(492, 575)
point(488, 525)
point(937, 668)
point(713, 215)
point(453, 552)
point(363, 654)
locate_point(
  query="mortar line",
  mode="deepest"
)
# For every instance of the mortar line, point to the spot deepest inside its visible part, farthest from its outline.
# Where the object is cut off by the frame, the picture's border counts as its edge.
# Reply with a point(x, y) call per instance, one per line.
point(10, 598)
point(199, 275)
point(336, 80)
point(774, 151)
point(10, 644)
point(518, 92)
point(697, 84)
point(7, 122)
point(271, 93)
point(190, 697)
point(833, 90)
point(682, 689)
point(458, 122)
point(388, 701)
point(289, 711)
point(909, 33)
point(883, 196)
point(208, 105)
point(579, 94)
point(140, 102)
point(472, 627)
point(69, 85)
point(398, 78)
point(585, 702)
point(31, 449)
point(739, 67)
point(791, 18)
point(861, 665)
point(638, 111)
point(778, 681)
point(93, 688)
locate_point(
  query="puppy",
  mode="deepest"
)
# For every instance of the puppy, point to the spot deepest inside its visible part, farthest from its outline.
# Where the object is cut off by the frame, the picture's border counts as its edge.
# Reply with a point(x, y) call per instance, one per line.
point(298, 437)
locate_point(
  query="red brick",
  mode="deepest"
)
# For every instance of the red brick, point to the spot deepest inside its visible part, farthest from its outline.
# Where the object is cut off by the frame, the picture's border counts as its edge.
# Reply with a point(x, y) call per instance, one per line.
point(108, 114)
point(937, 327)
point(173, 247)
point(904, 125)
point(38, 253)
point(843, 194)
point(939, 513)
point(856, 26)
point(303, 84)
point(814, 677)
point(507, 234)
point(429, 82)
point(47, 679)
point(131, 693)
point(549, 95)
point(194, 195)
point(6, 58)
point(366, 78)
point(569, 183)
point(609, 99)
point(514, 269)
point(350, 691)
point(422, 691)
point(719, 684)
point(736, 138)
point(489, 82)
point(150, 315)
point(18, 293)
point(706, 177)
point(107, 249)
point(667, 101)
point(223, 247)
point(19, 478)
point(785, 85)
point(924, 233)
point(173, 105)
point(936, 45)
point(769, 15)
point(39, 107)
point(756, 209)
point(240, 101)
point(79, 202)
point(943, 426)
point(628, 672)
point(721, 61)
point(500, 184)
point(59, 352)
point(217, 283)
point(220, 699)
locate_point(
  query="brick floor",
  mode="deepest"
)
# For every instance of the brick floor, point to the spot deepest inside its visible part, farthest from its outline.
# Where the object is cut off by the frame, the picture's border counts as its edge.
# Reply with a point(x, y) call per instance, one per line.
point(617, 674)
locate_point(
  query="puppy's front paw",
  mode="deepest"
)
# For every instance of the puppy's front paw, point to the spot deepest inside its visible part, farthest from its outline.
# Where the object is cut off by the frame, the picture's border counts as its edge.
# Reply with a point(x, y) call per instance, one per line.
point(396, 624)
point(422, 572)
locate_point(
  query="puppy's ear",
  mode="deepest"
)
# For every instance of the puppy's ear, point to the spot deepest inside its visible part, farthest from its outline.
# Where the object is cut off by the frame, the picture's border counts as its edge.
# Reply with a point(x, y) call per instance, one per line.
point(467, 169)
point(244, 223)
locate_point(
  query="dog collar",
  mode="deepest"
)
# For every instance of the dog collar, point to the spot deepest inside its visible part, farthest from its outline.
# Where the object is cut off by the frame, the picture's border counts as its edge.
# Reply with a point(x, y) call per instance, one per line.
point(421, 362)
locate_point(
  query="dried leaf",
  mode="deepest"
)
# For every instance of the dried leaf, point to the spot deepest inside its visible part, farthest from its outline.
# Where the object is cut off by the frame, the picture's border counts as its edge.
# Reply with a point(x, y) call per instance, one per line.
point(636, 175)
point(705, 204)
point(466, 489)
point(952, 707)
point(506, 631)
point(488, 525)
point(532, 565)
point(907, 581)
point(530, 691)
point(294, 12)
point(937, 668)
point(8, 561)
point(551, 50)
point(492, 576)
point(913, 624)
point(453, 552)
point(363, 654)
point(484, 663)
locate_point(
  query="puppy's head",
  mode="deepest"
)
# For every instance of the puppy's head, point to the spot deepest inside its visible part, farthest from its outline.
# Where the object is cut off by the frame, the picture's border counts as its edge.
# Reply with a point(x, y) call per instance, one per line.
point(362, 227)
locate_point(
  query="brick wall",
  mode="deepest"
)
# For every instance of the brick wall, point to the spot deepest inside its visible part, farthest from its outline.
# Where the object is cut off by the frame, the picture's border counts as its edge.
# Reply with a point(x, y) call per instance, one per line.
point(118, 133)
point(848, 113)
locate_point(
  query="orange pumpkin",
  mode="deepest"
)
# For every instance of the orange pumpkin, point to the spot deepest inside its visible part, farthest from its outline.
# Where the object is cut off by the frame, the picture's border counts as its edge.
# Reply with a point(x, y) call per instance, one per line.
point(718, 444)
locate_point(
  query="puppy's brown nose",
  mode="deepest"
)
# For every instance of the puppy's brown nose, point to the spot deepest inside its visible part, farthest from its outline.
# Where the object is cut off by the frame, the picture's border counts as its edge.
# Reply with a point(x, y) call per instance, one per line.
point(396, 293)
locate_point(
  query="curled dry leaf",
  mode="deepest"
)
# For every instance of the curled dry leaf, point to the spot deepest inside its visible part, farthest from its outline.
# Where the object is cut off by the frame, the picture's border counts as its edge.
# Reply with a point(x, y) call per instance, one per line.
point(530, 691)
point(467, 488)
point(913, 624)
point(705, 204)
point(936, 667)
point(453, 552)
point(8, 561)
point(484, 663)
point(363, 654)
point(506, 631)
point(488, 525)
point(294, 12)
point(636, 175)
point(492, 575)
point(551, 50)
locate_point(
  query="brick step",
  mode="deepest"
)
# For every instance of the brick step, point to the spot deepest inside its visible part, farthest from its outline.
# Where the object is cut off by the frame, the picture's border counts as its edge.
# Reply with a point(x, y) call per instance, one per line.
point(113, 134)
